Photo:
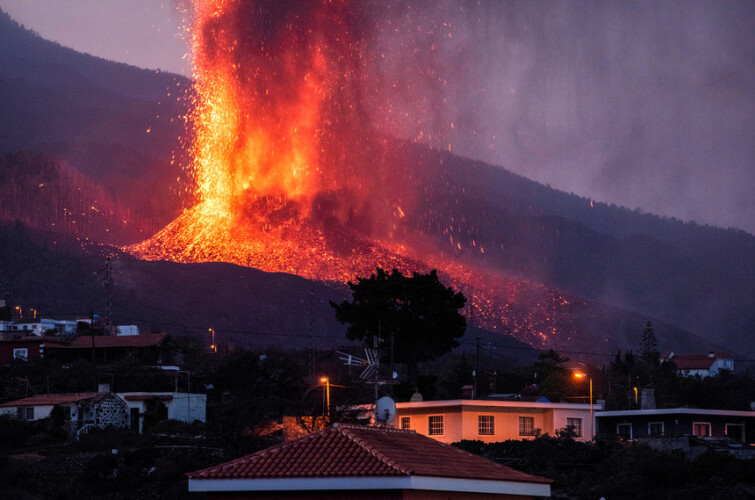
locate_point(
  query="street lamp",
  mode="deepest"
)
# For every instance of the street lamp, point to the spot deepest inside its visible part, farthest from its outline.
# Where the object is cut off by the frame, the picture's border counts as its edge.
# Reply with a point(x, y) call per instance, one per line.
point(581, 375)
point(213, 347)
point(326, 381)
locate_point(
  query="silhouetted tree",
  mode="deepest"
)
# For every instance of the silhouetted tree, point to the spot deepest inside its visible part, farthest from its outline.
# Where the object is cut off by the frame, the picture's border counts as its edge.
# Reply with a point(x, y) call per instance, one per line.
point(418, 315)
point(649, 348)
point(553, 380)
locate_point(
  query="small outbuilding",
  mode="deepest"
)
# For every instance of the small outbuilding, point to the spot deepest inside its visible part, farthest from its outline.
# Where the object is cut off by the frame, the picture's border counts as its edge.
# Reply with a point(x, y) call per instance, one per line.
point(357, 462)
point(81, 411)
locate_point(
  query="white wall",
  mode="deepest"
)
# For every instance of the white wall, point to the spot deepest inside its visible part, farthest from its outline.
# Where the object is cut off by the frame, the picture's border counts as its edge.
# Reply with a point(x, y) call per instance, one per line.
point(184, 407)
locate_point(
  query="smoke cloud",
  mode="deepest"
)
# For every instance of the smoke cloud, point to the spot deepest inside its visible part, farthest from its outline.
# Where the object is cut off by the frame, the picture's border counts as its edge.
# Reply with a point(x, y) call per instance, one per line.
point(642, 104)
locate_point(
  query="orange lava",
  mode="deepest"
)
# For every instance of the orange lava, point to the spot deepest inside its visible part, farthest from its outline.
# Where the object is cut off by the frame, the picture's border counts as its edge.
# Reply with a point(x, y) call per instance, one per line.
point(284, 166)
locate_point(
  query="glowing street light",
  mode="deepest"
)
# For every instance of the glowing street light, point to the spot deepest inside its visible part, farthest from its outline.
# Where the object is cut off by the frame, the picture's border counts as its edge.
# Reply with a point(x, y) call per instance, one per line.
point(581, 375)
point(213, 347)
point(326, 381)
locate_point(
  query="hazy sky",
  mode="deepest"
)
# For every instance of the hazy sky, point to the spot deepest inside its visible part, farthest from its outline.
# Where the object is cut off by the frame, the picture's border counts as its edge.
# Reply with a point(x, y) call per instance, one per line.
point(144, 33)
point(644, 104)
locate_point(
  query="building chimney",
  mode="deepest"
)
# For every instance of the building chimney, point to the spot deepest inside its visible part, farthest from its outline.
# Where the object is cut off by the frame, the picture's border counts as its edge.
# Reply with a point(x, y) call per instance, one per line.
point(103, 387)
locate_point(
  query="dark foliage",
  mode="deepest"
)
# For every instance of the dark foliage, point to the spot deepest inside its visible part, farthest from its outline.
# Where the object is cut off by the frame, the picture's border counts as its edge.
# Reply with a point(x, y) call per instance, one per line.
point(250, 389)
point(416, 316)
point(610, 470)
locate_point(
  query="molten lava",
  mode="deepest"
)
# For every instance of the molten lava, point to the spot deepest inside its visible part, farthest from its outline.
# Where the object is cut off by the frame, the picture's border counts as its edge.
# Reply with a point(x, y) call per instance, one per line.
point(281, 156)
point(290, 177)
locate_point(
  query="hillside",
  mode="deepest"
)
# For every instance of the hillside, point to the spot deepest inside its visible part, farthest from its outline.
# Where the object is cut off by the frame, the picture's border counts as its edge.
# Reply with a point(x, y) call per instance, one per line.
point(701, 278)
point(117, 124)
point(42, 191)
point(62, 277)
point(112, 130)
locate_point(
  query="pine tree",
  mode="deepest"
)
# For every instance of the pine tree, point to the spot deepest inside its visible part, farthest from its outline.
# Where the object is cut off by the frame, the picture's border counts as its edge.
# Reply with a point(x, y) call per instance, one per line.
point(649, 348)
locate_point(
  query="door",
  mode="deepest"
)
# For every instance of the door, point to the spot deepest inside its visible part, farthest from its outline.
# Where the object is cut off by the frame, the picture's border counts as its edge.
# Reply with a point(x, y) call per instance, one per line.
point(135, 419)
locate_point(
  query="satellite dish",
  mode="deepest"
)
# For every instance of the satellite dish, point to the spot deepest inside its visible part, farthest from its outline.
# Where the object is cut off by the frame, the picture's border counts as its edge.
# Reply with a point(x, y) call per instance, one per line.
point(385, 411)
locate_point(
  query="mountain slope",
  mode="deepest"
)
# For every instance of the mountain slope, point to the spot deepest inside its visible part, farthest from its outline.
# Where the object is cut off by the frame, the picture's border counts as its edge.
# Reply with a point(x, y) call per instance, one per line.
point(698, 277)
point(118, 124)
point(96, 115)
point(62, 277)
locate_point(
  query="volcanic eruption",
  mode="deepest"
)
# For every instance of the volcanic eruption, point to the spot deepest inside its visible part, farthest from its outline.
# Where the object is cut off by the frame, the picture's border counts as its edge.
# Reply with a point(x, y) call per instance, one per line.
point(295, 169)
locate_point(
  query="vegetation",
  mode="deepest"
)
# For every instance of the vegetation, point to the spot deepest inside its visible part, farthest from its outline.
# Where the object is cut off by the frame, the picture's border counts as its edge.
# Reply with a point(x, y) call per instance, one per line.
point(617, 471)
point(418, 316)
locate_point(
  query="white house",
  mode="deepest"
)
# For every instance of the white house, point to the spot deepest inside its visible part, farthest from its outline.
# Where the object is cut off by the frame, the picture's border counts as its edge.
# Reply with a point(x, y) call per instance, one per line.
point(37, 327)
point(186, 407)
point(81, 410)
point(703, 365)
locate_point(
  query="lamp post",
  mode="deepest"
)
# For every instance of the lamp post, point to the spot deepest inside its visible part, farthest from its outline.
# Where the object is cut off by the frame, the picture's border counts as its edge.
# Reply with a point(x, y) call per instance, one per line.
point(326, 381)
point(581, 375)
point(213, 347)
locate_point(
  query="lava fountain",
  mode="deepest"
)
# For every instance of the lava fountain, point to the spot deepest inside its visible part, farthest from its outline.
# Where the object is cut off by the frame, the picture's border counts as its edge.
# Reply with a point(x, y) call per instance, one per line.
point(283, 159)
point(290, 174)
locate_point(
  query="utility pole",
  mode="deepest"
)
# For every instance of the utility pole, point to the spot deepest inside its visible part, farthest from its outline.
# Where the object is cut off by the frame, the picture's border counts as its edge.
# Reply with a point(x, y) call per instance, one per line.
point(312, 364)
point(476, 368)
point(376, 343)
point(108, 280)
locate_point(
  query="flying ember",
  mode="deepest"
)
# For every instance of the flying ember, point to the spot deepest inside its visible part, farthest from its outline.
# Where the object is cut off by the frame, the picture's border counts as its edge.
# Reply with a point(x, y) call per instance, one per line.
point(291, 172)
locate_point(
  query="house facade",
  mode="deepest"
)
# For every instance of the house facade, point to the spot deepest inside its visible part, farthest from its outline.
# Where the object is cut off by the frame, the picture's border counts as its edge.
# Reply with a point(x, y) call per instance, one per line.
point(492, 421)
point(730, 425)
point(40, 327)
point(182, 406)
point(27, 348)
point(702, 365)
point(81, 410)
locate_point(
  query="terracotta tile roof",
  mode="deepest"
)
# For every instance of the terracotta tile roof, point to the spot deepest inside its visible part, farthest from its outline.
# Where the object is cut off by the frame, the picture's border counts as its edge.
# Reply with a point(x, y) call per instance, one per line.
point(359, 451)
point(55, 399)
point(144, 340)
point(694, 361)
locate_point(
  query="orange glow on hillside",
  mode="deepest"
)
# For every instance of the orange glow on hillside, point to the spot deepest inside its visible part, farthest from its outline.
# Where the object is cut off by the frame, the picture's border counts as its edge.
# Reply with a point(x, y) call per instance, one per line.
point(290, 178)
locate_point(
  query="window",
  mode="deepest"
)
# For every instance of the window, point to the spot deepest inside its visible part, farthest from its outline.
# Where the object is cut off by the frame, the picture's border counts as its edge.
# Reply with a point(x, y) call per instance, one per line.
point(406, 423)
point(655, 429)
point(576, 425)
point(485, 425)
point(701, 429)
point(735, 432)
point(526, 426)
point(435, 425)
point(22, 354)
point(624, 431)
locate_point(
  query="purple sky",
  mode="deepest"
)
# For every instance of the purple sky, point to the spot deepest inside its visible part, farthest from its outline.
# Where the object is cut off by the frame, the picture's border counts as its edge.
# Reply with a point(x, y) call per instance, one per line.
point(143, 33)
point(643, 104)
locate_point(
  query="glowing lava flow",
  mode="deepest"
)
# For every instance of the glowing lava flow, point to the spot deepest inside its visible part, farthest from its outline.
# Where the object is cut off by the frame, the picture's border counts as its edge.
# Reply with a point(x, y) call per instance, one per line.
point(273, 88)
point(290, 178)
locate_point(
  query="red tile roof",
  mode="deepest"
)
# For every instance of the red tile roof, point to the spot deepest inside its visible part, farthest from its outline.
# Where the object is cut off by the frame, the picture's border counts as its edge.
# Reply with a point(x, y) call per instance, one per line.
point(144, 340)
point(54, 399)
point(359, 451)
point(694, 361)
